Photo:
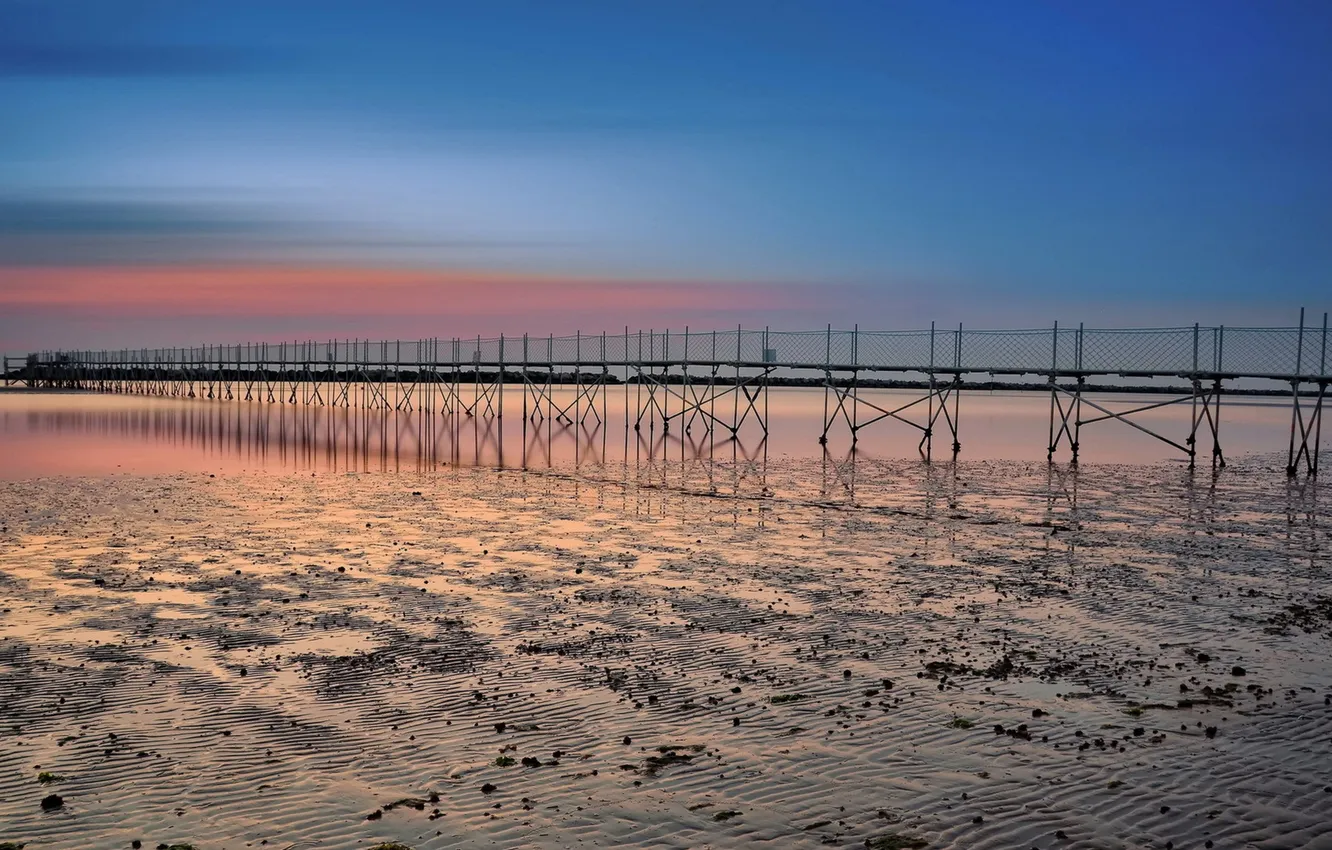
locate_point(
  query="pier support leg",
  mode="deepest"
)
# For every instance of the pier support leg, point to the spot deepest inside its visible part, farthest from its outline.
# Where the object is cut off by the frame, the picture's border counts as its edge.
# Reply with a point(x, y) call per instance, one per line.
point(1206, 410)
point(1064, 419)
point(1306, 430)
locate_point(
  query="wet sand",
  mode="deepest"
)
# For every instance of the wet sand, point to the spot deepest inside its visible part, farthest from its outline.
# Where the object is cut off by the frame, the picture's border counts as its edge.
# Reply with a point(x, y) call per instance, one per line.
point(993, 655)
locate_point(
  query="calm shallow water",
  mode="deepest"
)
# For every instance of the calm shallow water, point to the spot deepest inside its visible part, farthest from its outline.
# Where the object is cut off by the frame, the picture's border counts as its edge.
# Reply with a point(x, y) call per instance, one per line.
point(91, 434)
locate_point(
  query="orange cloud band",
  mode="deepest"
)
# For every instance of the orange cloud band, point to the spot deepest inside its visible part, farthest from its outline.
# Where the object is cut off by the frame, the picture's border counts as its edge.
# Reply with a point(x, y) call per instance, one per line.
point(278, 291)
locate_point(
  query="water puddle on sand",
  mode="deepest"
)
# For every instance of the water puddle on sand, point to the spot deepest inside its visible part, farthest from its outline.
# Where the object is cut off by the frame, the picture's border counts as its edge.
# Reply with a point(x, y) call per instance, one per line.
point(989, 655)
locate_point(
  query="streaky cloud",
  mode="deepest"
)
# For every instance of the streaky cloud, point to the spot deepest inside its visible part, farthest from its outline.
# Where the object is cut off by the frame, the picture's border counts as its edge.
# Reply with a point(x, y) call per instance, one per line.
point(132, 60)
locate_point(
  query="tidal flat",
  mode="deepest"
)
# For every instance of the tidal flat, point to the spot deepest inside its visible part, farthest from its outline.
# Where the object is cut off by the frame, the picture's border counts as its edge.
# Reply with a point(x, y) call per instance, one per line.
point(803, 654)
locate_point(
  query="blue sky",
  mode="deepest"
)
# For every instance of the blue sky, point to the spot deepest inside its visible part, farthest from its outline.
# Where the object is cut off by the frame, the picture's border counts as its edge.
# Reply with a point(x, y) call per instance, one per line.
point(1016, 162)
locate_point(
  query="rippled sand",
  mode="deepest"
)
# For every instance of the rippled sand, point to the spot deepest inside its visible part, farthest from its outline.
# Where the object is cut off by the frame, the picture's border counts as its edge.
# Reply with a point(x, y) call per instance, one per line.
point(995, 656)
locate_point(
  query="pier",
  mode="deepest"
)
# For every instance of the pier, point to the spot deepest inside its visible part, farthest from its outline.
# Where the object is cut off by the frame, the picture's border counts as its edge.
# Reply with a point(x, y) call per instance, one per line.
point(717, 382)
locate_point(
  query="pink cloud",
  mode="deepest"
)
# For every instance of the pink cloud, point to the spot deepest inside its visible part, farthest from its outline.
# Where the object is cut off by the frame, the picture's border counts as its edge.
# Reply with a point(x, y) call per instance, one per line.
point(278, 290)
point(86, 306)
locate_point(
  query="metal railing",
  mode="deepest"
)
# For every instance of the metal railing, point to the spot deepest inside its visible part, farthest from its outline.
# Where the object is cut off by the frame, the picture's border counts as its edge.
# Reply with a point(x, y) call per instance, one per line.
point(1282, 353)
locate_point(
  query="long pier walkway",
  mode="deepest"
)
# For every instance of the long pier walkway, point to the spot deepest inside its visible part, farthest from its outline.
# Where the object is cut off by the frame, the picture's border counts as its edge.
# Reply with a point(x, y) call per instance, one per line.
point(719, 380)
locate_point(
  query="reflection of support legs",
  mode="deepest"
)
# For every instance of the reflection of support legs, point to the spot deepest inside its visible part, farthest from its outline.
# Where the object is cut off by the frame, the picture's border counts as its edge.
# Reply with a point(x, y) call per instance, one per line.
point(842, 471)
point(1061, 502)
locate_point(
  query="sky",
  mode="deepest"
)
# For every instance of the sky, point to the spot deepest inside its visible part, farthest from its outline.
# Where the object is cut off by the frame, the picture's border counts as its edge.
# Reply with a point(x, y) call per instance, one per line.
point(186, 172)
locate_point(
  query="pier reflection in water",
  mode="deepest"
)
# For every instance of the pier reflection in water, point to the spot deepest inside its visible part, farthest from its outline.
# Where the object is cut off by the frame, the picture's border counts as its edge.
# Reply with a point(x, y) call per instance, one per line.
point(79, 434)
point(71, 433)
point(254, 436)
point(647, 472)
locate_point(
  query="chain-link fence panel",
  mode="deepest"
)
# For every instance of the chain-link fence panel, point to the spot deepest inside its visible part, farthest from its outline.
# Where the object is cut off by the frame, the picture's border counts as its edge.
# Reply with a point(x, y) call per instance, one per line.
point(1007, 351)
point(1278, 352)
point(672, 345)
point(653, 346)
point(695, 347)
point(1316, 352)
point(617, 349)
point(841, 347)
point(1064, 348)
point(798, 348)
point(1163, 351)
point(909, 350)
point(1263, 351)
point(586, 349)
point(538, 349)
point(729, 346)
point(945, 348)
point(752, 345)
